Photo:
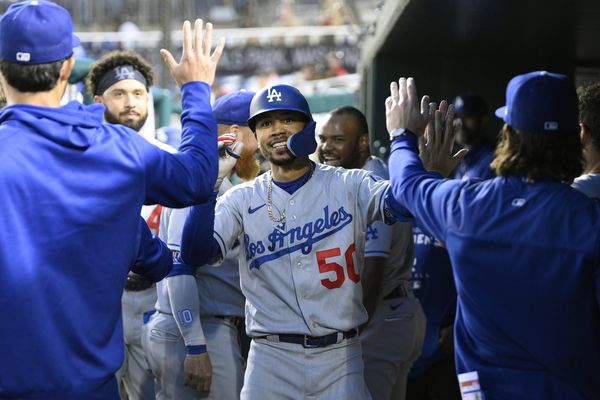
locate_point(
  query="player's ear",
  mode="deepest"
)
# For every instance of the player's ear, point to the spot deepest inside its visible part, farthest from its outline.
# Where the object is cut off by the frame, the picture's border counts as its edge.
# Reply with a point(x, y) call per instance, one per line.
point(363, 143)
point(584, 135)
point(235, 128)
point(98, 99)
point(66, 68)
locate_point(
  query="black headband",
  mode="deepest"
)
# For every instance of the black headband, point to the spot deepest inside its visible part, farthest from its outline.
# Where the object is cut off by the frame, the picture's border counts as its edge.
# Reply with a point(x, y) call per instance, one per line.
point(118, 74)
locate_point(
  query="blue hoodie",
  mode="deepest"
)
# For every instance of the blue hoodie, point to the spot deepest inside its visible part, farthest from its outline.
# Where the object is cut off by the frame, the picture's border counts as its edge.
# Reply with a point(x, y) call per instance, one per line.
point(71, 189)
point(526, 261)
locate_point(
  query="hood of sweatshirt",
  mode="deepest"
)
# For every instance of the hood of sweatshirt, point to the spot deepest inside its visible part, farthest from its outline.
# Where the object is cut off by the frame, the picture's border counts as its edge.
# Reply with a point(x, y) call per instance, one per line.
point(73, 125)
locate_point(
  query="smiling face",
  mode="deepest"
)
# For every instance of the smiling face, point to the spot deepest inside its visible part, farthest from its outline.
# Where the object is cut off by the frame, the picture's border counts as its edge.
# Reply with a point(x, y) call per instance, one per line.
point(126, 103)
point(340, 142)
point(273, 130)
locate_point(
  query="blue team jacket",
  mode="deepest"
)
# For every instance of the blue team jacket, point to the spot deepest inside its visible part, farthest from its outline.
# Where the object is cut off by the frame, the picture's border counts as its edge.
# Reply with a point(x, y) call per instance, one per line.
point(526, 262)
point(71, 189)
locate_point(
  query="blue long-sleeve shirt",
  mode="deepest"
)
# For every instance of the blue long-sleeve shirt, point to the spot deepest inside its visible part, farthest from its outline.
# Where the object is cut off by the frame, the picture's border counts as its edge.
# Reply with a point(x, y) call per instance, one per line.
point(71, 189)
point(526, 262)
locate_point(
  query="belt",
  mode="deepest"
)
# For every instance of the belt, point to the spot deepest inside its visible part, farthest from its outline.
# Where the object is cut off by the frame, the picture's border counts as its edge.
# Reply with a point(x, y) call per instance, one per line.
point(137, 283)
point(312, 341)
point(398, 292)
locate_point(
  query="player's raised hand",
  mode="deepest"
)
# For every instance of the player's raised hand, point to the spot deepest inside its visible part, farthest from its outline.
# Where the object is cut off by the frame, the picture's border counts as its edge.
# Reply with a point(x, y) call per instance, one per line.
point(435, 147)
point(230, 150)
point(196, 63)
point(197, 371)
point(402, 108)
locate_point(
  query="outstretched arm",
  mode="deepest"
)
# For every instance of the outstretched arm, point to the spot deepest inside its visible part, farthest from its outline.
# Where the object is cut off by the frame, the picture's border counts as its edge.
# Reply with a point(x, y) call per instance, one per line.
point(424, 194)
point(192, 172)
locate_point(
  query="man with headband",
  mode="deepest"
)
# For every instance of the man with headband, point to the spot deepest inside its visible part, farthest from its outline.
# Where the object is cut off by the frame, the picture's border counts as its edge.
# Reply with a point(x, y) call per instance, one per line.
point(121, 80)
point(302, 227)
point(72, 189)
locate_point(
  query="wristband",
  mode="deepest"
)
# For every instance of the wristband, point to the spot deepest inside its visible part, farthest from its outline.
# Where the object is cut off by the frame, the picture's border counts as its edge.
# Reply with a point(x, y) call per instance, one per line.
point(193, 350)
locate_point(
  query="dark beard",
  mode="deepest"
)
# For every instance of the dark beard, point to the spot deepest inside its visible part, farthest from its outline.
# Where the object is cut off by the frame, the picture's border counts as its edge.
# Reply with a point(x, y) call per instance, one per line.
point(247, 167)
point(282, 163)
point(136, 126)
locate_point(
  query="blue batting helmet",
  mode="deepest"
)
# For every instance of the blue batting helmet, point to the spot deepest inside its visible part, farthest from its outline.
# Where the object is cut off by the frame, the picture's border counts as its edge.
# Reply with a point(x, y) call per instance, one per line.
point(288, 98)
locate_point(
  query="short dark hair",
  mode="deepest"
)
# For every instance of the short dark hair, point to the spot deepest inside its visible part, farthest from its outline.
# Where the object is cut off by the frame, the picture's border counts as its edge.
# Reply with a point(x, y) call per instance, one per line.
point(359, 117)
point(538, 155)
point(115, 59)
point(31, 78)
point(589, 110)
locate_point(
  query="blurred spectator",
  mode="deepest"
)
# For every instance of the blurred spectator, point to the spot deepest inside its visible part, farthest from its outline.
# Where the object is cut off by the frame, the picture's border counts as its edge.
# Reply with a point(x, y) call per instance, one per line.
point(287, 17)
point(333, 13)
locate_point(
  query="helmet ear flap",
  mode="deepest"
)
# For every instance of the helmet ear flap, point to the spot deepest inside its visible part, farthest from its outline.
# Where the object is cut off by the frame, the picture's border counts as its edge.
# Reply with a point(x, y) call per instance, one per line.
point(303, 143)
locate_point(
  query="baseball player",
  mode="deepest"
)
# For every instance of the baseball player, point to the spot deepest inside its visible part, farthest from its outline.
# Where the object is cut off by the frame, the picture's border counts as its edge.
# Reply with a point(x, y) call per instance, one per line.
point(470, 109)
point(195, 331)
point(589, 118)
point(72, 189)
point(523, 246)
point(121, 81)
point(302, 227)
point(433, 374)
point(394, 334)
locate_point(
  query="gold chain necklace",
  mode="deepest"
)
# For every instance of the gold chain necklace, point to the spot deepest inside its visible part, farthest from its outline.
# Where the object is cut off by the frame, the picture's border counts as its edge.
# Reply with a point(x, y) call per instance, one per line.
point(281, 217)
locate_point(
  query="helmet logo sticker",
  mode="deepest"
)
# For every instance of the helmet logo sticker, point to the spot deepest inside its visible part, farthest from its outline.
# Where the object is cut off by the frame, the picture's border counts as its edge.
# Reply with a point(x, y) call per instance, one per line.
point(272, 93)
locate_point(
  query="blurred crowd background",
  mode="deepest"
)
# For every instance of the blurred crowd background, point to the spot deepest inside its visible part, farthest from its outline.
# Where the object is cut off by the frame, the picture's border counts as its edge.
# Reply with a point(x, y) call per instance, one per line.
point(311, 44)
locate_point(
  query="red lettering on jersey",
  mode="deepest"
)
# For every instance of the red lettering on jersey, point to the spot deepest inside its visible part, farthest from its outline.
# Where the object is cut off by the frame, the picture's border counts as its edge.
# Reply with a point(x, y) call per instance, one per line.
point(153, 220)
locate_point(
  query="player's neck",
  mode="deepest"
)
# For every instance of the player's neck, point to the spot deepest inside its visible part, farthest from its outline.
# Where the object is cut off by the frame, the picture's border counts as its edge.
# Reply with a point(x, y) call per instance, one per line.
point(50, 98)
point(287, 173)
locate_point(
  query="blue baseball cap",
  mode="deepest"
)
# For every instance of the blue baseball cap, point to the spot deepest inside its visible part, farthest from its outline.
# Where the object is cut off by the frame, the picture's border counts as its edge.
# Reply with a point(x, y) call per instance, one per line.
point(36, 32)
point(233, 108)
point(541, 102)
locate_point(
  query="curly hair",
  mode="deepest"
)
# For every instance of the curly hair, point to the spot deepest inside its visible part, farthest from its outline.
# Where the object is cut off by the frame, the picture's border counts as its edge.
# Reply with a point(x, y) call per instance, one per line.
point(115, 59)
point(539, 156)
point(589, 110)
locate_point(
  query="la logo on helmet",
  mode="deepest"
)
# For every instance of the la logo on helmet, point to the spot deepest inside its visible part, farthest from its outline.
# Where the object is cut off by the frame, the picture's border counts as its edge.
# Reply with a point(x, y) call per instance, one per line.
point(272, 93)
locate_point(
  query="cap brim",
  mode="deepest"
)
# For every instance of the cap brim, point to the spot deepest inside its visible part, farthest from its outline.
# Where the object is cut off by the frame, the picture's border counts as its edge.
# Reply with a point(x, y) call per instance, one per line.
point(501, 112)
point(75, 40)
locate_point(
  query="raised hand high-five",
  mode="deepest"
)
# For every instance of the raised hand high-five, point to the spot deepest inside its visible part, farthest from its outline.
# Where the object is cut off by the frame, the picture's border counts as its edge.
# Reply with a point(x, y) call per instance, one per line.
point(402, 108)
point(435, 146)
point(196, 63)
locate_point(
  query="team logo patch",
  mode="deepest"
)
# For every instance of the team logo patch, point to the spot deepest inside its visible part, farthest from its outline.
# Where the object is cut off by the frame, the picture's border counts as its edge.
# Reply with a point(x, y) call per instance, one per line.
point(124, 73)
point(23, 56)
point(272, 93)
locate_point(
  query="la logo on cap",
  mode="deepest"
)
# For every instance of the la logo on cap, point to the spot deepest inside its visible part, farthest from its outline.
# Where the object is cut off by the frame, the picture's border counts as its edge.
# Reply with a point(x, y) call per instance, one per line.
point(23, 57)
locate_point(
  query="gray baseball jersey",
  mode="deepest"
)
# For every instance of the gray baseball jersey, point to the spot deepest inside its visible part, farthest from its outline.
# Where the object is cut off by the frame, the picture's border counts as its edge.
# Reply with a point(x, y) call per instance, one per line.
point(394, 336)
point(302, 275)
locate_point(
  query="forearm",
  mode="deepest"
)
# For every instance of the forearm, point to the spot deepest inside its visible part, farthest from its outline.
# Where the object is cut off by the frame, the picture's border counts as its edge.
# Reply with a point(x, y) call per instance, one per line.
point(198, 246)
point(154, 260)
point(372, 283)
point(413, 188)
point(192, 172)
point(185, 305)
